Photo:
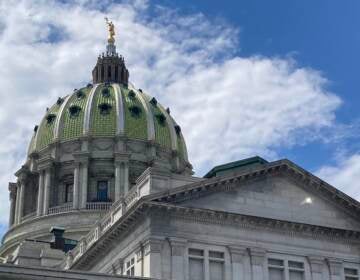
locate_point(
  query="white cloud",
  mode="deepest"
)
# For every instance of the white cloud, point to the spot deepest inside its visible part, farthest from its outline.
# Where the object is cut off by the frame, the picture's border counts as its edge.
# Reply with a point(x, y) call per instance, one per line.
point(344, 175)
point(229, 107)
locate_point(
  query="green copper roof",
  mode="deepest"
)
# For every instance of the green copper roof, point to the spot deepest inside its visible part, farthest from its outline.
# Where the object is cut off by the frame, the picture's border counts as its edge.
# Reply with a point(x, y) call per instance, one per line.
point(96, 112)
point(73, 124)
point(103, 122)
point(162, 132)
point(46, 129)
point(235, 166)
point(135, 124)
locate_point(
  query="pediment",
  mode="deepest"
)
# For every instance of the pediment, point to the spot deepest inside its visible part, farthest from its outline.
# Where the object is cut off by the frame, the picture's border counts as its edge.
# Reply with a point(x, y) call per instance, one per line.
point(279, 195)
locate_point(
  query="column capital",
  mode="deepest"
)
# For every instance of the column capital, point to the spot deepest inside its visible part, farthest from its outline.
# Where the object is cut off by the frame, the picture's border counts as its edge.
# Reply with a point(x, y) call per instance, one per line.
point(257, 255)
point(22, 173)
point(152, 245)
point(335, 266)
point(81, 157)
point(45, 163)
point(316, 263)
point(178, 246)
point(121, 157)
point(237, 253)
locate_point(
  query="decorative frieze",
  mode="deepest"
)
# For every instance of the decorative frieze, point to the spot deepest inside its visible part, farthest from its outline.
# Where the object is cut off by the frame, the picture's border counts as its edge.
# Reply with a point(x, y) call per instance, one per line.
point(259, 223)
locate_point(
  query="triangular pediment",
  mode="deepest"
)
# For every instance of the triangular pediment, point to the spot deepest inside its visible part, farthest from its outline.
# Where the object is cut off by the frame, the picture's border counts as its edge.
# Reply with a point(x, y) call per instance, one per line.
point(280, 195)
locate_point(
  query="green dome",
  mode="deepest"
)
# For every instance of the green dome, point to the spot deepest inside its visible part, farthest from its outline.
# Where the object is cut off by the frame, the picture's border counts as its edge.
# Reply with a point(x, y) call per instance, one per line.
point(109, 110)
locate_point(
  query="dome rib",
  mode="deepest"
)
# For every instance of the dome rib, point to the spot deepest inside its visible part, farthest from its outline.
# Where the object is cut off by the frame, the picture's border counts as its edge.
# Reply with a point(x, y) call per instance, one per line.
point(88, 106)
point(162, 131)
point(171, 126)
point(58, 123)
point(120, 114)
point(149, 116)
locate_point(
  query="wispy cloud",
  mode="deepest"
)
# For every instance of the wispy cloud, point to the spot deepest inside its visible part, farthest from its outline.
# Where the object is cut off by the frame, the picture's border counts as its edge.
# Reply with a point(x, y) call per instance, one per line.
point(228, 106)
point(344, 175)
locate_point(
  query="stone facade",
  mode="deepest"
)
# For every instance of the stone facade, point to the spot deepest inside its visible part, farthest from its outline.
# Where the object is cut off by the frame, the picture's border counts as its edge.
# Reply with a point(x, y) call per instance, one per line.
point(109, 165)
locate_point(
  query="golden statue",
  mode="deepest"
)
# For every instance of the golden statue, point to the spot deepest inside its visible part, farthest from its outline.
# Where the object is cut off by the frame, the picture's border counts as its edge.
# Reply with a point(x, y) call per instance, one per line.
point(111, 27)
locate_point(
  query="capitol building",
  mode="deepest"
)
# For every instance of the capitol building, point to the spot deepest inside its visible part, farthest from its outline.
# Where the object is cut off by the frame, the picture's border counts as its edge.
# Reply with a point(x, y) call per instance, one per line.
point(107, 192)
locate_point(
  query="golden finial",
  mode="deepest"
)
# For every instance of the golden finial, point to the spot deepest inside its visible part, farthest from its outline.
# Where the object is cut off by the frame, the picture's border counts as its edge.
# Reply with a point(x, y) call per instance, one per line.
point(111, 28)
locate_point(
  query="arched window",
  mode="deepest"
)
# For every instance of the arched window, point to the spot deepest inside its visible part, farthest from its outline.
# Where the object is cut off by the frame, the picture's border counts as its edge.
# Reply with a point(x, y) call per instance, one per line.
point(69, 188)
point(102, 72)
point(116, 72)
point(102, 191)
point(109, 71)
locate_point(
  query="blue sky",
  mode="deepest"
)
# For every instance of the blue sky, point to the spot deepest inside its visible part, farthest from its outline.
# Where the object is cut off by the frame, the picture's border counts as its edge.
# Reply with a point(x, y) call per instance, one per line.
point(323, 35)
point(271, 78)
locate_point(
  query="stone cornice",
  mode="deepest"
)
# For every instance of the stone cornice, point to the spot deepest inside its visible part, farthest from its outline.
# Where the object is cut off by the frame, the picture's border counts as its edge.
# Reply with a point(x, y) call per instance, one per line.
point(121, 157)
point(281, 167)
point(259, 223)
point(45, 163)
point(81, 157)
point(206, 216)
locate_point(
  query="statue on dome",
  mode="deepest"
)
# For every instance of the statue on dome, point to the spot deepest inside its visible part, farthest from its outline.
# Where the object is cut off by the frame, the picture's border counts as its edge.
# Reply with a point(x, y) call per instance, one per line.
point(111, 28)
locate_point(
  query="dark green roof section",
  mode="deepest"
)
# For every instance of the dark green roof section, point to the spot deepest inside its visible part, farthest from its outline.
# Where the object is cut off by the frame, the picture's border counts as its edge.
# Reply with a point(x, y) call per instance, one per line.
point(73, 125)
point(181, 146)
point(103, 112)
point(32, 144)
point(135, 124)
point(46, 129)
point(235, 166)
point(162, 131)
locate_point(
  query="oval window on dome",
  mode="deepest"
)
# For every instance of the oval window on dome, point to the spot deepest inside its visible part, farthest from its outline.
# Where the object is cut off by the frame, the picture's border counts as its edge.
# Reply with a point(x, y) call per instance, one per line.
point(80, 94)
point(161, 118)
point(131, 94)
point(105, 92)
point(135, 111)
point(74, 111)
point(50, 118)
point(105, 108)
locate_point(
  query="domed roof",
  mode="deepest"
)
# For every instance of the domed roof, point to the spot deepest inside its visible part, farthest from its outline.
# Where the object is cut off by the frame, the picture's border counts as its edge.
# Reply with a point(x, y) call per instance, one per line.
point(108, 110)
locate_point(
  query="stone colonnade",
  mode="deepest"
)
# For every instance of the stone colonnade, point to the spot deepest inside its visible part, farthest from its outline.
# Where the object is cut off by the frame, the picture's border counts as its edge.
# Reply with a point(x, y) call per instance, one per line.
point(80, 185)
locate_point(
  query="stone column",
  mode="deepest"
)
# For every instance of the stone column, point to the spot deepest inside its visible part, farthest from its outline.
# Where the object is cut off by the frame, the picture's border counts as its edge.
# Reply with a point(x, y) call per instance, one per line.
point(178, 247)
point(316, 267)
point(257, 256)
point(76, 186)
point(335, 267)
point(237, 254)
point(118, 191)
point(16, 218)
point(47, 185)
point(21, 200)
point(13, 190)
point(121, 162)
point(152, 258)
point(40, 200)
point(126, 177)
point(84, 184)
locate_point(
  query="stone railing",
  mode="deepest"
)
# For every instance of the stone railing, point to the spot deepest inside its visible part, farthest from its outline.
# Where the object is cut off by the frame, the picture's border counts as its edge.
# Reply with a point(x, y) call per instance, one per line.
point(132, 197)
point(101, 227)
point(60, 209)
point(117, 210)
point(98, 205)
